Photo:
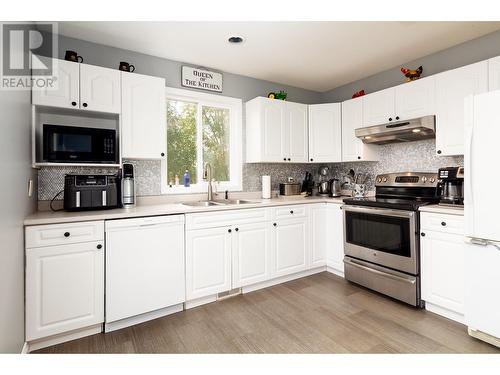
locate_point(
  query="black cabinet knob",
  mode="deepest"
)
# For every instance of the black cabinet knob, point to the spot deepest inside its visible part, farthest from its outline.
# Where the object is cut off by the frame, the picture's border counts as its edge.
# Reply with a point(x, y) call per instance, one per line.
point(229, 230)
point(390, 118)
point(397, 117)
point(288, 159)
point(284, 159)
point(443, 223)
point(439, 152)
point(99, 246)
point(73, 104)
point(236, 229)
point(275, 224)
point(359, 157)
point(311, 159)
point(162, 154)
point(66, 234)
point(291, 211)
point(422, 234)
point(85, 105)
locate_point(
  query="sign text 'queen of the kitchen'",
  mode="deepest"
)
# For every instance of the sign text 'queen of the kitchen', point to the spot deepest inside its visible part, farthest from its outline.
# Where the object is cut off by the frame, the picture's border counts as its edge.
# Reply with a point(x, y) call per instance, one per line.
point(201, 79)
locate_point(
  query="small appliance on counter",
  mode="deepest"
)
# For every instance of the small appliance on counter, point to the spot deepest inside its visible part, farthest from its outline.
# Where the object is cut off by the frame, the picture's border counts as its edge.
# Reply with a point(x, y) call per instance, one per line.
point(128, 188)
point(290, 187)
point(308, 184)
point(451, 186)
point(335, 187)
point(91, 192)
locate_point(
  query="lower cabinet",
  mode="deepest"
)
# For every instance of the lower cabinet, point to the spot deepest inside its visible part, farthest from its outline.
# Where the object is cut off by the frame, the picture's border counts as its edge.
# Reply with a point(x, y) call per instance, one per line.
point(64, 288)
point(208, 262)
point(251, 254)
point(290, 246)
point(335, 238)
point(442, 257)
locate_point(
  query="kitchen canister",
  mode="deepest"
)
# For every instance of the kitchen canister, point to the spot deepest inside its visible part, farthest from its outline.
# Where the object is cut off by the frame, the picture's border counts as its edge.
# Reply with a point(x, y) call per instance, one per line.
point(266, 187)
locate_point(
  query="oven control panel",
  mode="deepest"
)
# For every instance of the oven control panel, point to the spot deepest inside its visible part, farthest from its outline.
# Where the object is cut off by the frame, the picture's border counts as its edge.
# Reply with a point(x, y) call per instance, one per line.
point(407, 179)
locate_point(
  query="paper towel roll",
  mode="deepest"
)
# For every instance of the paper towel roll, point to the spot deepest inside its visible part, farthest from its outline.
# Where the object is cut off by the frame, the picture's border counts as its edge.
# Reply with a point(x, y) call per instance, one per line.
point(266, 187)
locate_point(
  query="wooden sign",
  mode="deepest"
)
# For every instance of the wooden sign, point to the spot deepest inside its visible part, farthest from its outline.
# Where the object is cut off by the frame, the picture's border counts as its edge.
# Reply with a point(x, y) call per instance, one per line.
point(201, 79)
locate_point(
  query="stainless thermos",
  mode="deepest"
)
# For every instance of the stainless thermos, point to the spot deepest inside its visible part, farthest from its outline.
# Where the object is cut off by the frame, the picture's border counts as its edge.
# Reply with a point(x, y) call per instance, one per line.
point(128, 188)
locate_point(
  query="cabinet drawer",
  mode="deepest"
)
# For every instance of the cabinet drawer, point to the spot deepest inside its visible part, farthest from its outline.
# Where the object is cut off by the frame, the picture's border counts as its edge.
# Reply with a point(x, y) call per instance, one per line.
point(222, 218)
point(442, 223)
point(287, 212)
point(60, 234)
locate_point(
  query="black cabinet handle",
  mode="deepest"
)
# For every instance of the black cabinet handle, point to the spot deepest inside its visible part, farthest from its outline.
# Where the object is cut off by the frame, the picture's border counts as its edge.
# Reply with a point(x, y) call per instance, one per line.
point(236, 229)
point(311, 159)
point(73, 104)
point(284, 159)
point(291, 211)
point(422, 234)
point(66, 234)
point(359, 157)
point(99, 246)
point(397, 117)
point(443, 223)
point(275, 224)
point(85, 105)
point(162, 154)
point(229, 230)
point(439, 152)
point(390, 118)
point(288, 159)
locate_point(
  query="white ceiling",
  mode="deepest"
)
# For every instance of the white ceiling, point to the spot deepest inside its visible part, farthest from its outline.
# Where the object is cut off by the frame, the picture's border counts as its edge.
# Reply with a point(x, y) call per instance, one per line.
point(312, 55)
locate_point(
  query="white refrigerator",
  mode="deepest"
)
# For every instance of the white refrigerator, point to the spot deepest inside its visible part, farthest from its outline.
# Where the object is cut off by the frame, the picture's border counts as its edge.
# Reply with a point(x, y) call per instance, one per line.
point(482, 216)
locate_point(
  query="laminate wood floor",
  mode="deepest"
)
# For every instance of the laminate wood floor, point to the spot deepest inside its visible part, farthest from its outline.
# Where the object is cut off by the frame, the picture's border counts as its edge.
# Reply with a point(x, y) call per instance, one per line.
point(322, 313)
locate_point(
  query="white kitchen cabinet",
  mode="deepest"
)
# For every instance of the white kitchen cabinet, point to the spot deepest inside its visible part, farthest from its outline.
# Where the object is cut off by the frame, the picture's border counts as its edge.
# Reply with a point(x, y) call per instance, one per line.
point(378, 107)
point(143, 118)
point(276, 131)
point(66, 94)
point(335, 238)
point(290, 246)
point(325, 133)
point(451, 89)
point(208, 262)
point(251, 253)
point(494, 74)
point(319, 234)
point(100, 89)
point(144, 266)
point(415, 99)
point(64, 288)
point(442, 254)
point(353, 149)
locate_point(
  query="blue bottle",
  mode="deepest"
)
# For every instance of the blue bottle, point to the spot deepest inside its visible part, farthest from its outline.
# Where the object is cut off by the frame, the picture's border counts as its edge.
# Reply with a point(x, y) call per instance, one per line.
point(186, 178)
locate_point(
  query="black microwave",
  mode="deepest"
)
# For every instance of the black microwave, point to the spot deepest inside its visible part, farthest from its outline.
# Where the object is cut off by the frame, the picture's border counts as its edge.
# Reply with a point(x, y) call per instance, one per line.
point(71, 144)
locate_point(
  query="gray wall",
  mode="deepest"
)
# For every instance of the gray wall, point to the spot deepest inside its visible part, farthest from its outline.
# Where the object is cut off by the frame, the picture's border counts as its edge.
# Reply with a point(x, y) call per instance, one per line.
point(463, 54)
point(15, 157)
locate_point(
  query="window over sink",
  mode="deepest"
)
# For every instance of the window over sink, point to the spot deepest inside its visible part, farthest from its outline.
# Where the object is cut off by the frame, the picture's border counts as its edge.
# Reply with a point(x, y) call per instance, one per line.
point(202, 128)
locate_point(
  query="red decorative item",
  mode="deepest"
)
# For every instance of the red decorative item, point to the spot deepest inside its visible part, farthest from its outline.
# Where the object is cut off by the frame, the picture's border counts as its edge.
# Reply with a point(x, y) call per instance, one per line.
point(358, 94)
point(412, 74)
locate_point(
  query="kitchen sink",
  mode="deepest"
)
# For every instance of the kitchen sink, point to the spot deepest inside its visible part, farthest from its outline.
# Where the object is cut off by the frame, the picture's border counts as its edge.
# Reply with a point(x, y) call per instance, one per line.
point(202, 204)
point(237, 201)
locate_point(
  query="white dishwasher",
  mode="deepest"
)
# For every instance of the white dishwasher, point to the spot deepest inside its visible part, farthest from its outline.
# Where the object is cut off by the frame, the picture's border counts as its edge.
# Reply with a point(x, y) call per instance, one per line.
point(145, 274)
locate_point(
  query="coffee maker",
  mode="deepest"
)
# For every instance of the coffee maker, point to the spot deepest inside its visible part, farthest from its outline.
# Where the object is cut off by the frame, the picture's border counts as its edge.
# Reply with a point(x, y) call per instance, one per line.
point(451, 186)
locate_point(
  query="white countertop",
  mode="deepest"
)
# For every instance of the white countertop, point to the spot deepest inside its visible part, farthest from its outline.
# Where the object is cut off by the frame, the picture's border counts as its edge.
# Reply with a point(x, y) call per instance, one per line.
point(140, 210)
point(435, 208)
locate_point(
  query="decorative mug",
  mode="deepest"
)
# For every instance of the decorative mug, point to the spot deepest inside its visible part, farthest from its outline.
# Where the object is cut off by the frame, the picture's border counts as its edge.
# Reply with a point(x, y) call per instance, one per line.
point(359, 190)
point(126, 67)
point(72, 56)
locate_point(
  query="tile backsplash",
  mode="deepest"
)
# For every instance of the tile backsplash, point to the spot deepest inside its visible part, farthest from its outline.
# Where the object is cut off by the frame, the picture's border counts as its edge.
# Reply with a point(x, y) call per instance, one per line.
point(417, 156)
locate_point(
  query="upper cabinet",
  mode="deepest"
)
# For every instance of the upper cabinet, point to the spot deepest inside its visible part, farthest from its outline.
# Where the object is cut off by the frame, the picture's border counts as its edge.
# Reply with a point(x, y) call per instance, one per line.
point(325, 133)
point(276, 131)
point(100, 89)
point(404, 102)
point(81, 86)
point(494, 73)
point(143, 116)
point(353, 149)
point(451, 89)
point(67, 92)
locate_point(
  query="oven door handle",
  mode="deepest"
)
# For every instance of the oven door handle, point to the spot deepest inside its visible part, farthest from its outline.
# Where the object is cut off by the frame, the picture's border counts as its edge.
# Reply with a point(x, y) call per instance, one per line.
point(408, 279)
point(379, 211)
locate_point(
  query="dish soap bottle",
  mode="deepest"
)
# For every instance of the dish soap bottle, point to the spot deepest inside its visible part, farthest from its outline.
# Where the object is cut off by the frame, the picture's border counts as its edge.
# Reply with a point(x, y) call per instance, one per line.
point(176, 179)
point(186, 178)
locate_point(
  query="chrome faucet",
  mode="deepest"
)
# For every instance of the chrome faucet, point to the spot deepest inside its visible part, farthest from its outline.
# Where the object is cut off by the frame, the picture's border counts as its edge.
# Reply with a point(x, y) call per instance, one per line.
point(207, 175)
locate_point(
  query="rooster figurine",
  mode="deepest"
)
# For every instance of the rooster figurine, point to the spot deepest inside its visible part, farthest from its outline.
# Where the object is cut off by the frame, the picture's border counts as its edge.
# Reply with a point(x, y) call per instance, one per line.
point(412, 74)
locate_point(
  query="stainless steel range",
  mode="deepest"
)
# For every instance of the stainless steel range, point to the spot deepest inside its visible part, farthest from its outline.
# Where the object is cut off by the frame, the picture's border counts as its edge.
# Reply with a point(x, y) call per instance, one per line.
point(381, 235)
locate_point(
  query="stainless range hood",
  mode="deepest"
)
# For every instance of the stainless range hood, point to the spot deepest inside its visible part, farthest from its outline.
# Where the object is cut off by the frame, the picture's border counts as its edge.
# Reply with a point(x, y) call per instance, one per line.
point(402, 131)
